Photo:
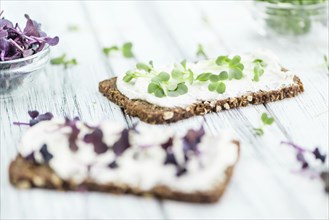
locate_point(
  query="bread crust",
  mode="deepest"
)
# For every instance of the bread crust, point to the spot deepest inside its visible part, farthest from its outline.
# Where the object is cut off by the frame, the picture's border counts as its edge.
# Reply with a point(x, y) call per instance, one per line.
point(25, 174)
point(154, 114)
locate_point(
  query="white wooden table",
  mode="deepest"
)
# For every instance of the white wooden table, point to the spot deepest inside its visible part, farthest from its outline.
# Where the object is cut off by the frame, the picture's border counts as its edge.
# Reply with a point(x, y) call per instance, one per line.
point(263, 185)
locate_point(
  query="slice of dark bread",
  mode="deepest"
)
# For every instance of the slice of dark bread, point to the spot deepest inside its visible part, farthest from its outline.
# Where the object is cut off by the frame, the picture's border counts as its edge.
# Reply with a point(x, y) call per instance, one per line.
point(25, 174)
point(154, 114)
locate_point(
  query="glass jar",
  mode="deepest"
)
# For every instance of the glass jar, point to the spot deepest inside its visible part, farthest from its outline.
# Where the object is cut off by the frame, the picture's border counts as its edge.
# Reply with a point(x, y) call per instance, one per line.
point(287, 19)
point(18, 75)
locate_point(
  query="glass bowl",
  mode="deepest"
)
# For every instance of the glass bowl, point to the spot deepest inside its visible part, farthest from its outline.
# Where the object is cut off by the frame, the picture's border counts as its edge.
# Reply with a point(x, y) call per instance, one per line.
point(286, 19)
point(19, 75)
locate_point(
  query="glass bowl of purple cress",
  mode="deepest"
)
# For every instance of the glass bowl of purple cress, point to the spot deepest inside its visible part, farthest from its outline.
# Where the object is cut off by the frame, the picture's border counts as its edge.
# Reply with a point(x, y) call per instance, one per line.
point(24, 53)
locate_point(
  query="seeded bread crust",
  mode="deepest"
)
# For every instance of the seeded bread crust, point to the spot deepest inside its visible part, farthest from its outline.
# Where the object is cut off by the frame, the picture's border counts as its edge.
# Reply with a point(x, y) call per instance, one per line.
point(24, 174)
point(154, 114)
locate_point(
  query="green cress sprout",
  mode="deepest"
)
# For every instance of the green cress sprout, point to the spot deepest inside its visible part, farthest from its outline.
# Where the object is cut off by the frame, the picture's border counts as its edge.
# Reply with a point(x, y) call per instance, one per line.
point(234, 65)
point(61, 60)
point(258, 69)
point(175, 83)
point(126, 50)
point(160, 84)
point(135, 74)
point(181, 73)
point(216, 81)
point(200, 52)
point(266, 120)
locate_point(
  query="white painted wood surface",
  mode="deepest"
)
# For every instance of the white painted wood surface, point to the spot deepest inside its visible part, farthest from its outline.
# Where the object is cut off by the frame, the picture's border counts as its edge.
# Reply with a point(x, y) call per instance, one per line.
point(262, 186)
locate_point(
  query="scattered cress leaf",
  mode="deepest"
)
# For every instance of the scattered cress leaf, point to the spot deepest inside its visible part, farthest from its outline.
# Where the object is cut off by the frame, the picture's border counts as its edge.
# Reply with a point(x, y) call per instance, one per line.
point(95, 138)
point(172, 86)
point(306, 166)
point(235, 60)
point(223, 75)
point(71, 62)
point(159, 93)
point(235, 73)
point(259, 131)
point(235, 66)
point(36, 117)
point(45, 153)
point(200, 52)
point(152, 87)
point(58, 60)
point(258, 69)
point(190, 77)
point(180, 90)
point(266, 120)
point(212, 87)
point(177, 74)
point(108, 50)
point(221, 87)
point(61, 60)
point(221, 60)
point(156, 89)
point(127, 50)
point(143, 66)
point(128, 77)
point(214, 78)
point(163, 76)
point(203, 76)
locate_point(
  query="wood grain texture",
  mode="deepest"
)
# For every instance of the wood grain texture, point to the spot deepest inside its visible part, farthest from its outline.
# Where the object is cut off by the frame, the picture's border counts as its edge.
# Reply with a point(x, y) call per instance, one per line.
point(165, 32)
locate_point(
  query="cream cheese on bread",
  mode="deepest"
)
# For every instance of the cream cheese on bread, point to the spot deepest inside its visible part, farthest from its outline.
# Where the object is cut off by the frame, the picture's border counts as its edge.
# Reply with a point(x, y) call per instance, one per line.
point(273, 78)
point(141, 166)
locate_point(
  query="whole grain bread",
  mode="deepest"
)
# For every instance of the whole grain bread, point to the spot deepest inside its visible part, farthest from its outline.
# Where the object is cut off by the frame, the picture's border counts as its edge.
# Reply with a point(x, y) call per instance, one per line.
point(25, 174)
point(154, 114)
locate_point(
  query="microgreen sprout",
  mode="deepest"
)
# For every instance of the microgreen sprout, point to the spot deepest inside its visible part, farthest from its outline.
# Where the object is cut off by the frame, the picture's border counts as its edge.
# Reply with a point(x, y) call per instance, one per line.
point(36, 117)
point(181, 73)
point(61, 60)
point(266, 120)
point(156, 86)
point(20, 42)
point(216, 81)
point(160, 84)
point(234, 65)
point(258, 69)
point(314, 169)
point(144, 66)
point(108, 50)
point(200, 52)
point(135, 74)
point(126, 50)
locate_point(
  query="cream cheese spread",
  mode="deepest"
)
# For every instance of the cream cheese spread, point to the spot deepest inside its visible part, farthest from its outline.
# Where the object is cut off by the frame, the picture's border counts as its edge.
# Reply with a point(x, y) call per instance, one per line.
point(141, 165)
point(272, 79)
